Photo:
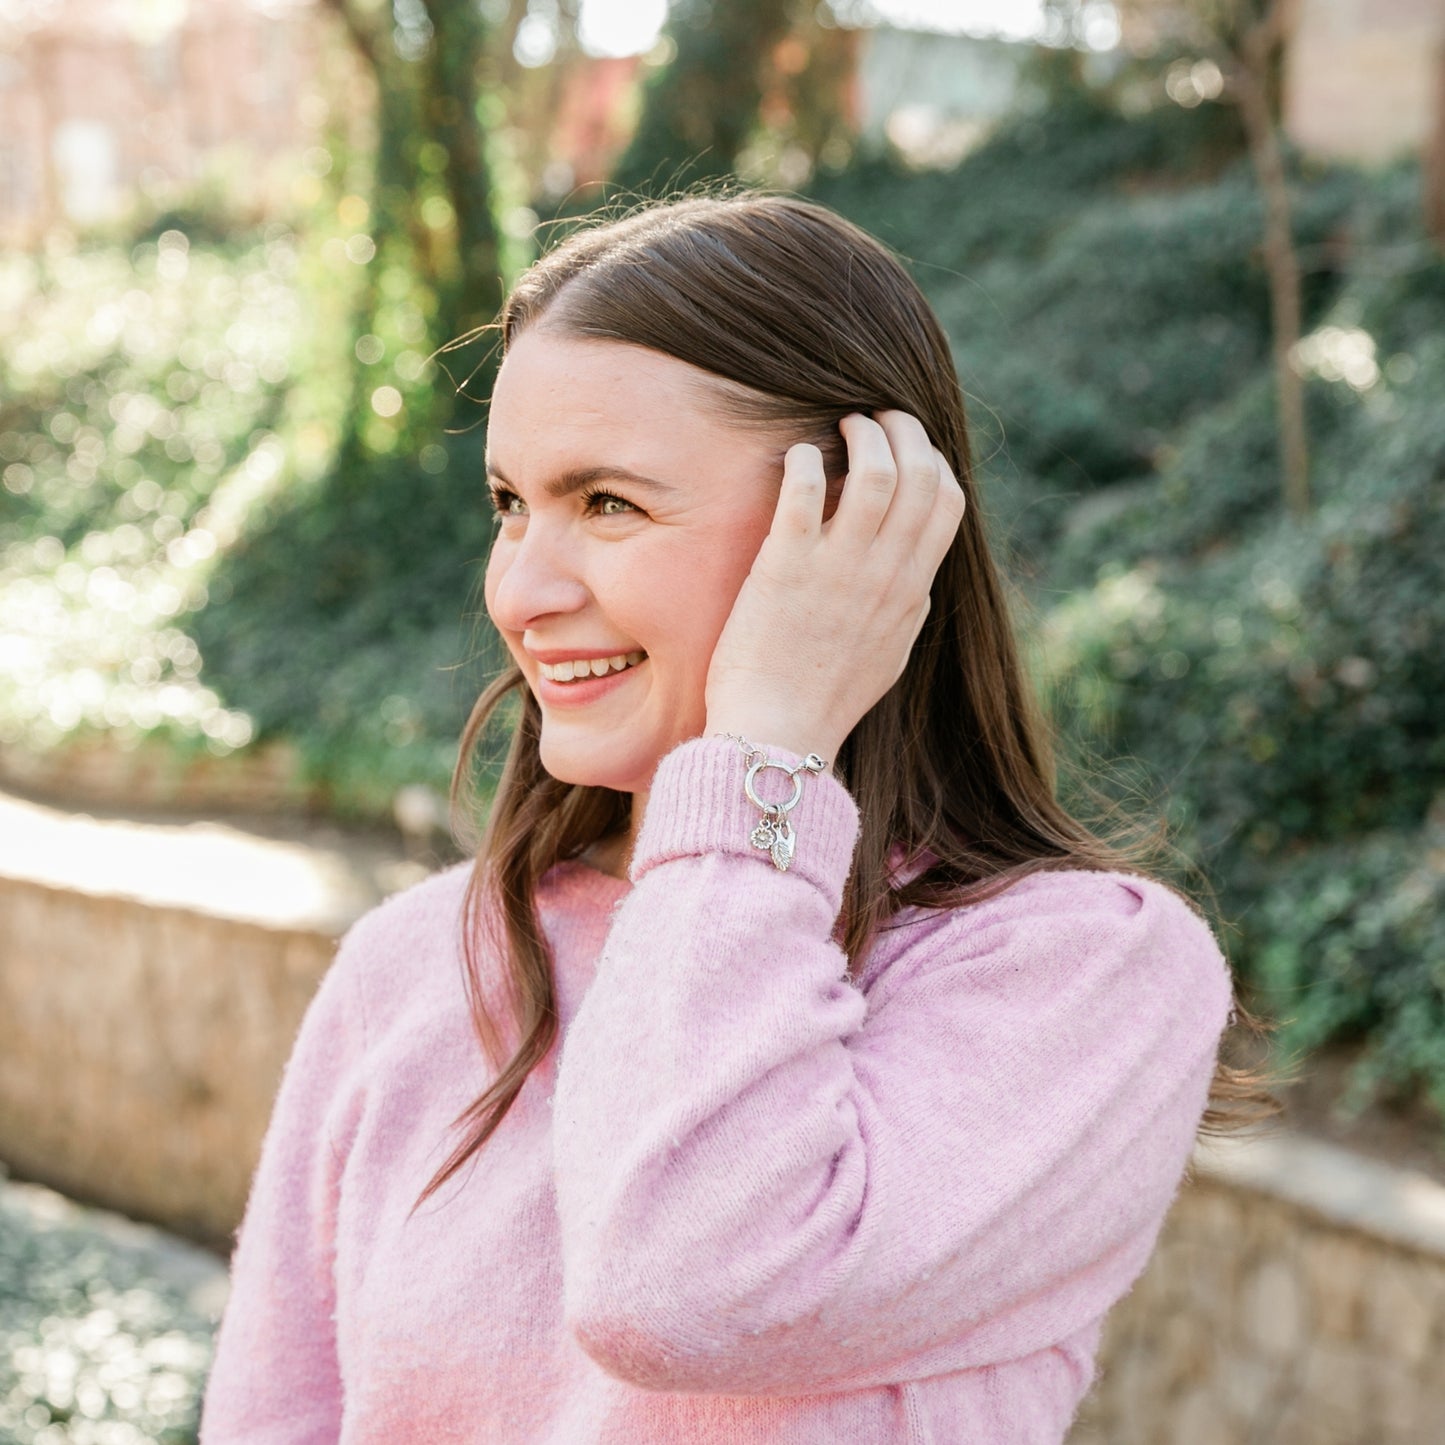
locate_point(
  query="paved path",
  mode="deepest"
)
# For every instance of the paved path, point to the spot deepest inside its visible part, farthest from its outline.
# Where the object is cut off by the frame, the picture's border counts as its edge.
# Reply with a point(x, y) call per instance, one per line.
point(105, 1324)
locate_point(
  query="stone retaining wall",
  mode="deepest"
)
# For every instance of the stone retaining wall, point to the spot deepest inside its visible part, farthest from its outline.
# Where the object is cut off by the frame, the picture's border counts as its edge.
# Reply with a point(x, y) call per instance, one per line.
point(1279, 1311)
point(152, 978)
point(142, 1048)
point(1297, 1296)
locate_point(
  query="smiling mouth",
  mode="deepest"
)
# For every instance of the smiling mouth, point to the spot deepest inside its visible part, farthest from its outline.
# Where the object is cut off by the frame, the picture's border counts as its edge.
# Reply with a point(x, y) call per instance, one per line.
point(589, 667)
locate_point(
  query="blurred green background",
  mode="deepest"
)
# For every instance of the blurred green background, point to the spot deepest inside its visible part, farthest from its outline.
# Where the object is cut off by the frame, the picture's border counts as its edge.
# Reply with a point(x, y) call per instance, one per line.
point(242, 514)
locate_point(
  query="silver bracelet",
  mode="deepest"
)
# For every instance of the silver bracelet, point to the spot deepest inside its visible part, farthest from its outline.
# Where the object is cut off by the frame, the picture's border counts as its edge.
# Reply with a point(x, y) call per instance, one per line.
point(774, 834)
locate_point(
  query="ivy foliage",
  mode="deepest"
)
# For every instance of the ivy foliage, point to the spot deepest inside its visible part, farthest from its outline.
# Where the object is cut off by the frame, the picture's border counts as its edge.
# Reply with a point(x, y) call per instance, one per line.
point(1279, 682)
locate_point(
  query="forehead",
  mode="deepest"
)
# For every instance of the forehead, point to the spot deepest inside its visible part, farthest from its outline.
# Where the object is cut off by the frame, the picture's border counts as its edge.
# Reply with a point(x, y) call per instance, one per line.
point(560, 401)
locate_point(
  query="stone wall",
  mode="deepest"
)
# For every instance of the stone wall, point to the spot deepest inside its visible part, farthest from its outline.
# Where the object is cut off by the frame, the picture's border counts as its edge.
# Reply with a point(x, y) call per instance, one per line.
point(1297, 1298)
point(152, 979)
point(100, 773)
point(142, 1048)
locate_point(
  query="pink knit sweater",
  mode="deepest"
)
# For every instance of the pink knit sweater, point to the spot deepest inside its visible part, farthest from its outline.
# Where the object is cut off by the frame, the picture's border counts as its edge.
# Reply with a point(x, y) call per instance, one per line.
point(749, 1200)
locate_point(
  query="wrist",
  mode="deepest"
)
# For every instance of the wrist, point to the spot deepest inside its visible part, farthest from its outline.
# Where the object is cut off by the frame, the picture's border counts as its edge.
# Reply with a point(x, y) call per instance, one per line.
point(770, 734)
point(773, 832)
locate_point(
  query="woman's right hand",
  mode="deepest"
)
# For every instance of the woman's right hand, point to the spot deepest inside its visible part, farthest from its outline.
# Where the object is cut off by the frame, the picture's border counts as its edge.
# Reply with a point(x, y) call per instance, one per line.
point(825, 620)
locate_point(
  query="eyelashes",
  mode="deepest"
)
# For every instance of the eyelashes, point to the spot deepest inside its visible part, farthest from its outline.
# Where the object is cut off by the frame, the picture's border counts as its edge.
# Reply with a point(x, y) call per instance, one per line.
point(596, 500)
point(502, 499)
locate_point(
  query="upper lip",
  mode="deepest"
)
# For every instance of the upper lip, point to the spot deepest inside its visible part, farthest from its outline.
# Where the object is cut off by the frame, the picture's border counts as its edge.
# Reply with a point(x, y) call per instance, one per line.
point(550, 655)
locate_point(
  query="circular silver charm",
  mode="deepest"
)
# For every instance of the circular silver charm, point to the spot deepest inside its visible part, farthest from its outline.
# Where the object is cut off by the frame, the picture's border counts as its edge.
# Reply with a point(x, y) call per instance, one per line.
point(779, 808)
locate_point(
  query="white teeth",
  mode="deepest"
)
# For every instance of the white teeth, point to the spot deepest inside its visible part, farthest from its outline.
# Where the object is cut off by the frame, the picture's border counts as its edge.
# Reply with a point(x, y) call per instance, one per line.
point(589, 667)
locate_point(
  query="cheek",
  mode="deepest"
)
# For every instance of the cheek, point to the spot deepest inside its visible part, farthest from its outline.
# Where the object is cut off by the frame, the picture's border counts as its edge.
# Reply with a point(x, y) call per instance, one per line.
point(690, 591)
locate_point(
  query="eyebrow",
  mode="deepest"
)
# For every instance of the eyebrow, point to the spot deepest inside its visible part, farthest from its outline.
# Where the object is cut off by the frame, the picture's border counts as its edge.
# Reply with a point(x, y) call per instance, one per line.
point(573, 480)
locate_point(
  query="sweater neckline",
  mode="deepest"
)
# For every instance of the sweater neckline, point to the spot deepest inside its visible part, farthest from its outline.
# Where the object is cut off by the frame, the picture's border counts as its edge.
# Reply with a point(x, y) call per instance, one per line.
point(574, 873)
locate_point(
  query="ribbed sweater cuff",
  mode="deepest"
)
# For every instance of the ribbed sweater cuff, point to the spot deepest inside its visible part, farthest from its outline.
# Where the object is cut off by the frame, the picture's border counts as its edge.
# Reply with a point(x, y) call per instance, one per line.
point(697, 806)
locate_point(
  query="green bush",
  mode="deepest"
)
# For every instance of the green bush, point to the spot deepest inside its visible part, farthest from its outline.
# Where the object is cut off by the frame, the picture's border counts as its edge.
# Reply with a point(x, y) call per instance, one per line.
point(138, 436)
point(1348, 942)
point(1284, 678)
point(1097, 306)
point(1278, 681)
point(369, 657)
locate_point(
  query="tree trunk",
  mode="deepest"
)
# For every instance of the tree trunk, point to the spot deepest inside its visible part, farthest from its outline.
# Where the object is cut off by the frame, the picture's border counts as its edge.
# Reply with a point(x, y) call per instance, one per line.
point(698, 112)
point(472, 296)
point(426, 105)
point(1434, 160)
point(1251, 80)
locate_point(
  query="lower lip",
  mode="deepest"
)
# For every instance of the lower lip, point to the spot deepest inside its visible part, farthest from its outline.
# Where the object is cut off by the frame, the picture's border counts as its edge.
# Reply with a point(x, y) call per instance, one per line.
point(579, 694)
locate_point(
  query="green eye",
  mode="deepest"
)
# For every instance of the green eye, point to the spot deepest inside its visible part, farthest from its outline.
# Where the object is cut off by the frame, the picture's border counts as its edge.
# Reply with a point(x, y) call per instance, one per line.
point(610, 506)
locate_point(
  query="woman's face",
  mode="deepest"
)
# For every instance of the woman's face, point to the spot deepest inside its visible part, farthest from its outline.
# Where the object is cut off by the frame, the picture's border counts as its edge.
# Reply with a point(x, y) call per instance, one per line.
point(629, 515)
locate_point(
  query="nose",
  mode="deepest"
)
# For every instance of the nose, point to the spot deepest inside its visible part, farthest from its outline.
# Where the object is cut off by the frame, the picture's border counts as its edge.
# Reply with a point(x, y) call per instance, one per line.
point(531, 577)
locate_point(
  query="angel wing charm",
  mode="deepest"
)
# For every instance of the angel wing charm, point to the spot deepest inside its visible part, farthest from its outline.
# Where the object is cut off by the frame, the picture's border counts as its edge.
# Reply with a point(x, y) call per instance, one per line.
point(782, 847)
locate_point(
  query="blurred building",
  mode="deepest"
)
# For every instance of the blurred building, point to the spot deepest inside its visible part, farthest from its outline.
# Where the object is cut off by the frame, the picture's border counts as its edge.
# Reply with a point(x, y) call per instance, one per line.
point(101, 99)
point(106, 101)
point(932, 96)
point(1366, 78)
point(591, 121)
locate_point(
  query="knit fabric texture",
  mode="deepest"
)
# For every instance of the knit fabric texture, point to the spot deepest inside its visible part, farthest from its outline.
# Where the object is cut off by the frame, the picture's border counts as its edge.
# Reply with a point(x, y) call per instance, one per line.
point(745, 1199)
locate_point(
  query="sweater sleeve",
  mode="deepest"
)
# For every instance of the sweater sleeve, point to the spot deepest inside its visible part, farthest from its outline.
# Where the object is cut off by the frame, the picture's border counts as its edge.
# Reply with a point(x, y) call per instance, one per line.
point(275, 1379)
point(770, 1182)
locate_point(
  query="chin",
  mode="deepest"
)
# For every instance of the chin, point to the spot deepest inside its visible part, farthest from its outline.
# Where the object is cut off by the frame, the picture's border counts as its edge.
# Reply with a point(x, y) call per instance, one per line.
point(589, 770)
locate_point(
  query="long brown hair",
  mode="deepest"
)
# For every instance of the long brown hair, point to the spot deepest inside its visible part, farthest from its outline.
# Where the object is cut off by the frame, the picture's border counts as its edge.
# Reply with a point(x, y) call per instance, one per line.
point(802, 318)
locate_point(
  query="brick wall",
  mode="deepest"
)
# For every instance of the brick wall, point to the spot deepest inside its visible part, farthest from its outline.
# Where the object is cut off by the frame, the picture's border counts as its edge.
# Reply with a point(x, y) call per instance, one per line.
point(93, 105)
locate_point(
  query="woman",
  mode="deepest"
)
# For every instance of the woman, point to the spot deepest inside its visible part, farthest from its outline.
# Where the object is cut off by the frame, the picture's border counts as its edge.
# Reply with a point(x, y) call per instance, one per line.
point(833, 1082)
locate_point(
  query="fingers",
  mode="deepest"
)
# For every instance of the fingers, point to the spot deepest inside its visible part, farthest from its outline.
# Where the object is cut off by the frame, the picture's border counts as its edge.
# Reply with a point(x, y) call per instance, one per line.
point(799, 513)
point(894, 478)
point(872, 479)
point(919, 477)
point(942, 523)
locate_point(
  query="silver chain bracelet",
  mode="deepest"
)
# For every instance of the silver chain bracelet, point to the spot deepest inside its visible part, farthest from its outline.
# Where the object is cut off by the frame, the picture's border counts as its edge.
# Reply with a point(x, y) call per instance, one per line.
point(774, 834)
